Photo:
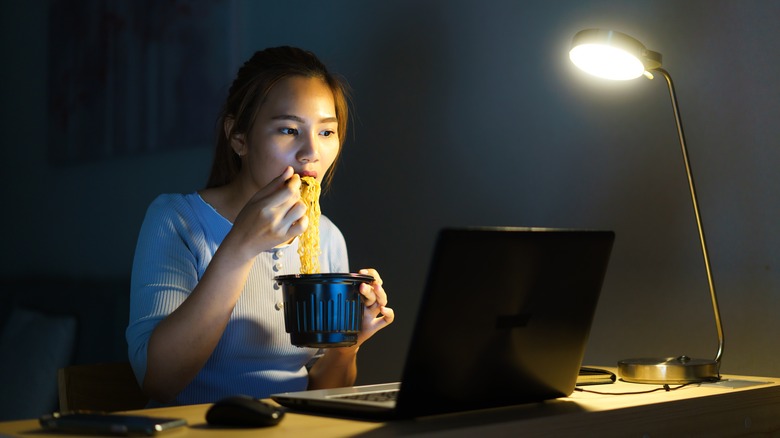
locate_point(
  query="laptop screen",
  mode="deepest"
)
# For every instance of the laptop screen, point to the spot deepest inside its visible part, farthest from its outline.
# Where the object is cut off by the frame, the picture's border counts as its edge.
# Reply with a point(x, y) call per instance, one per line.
point(504, 318)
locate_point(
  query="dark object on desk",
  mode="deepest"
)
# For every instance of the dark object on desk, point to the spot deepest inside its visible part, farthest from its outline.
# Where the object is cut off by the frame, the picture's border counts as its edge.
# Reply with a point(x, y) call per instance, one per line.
point(106, 387)
point(98, 423)
point(243, 411)
point(595, 376)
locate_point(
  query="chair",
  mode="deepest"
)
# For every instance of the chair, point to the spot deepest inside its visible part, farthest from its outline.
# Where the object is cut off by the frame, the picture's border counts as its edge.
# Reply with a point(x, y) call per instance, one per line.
point(100, 387)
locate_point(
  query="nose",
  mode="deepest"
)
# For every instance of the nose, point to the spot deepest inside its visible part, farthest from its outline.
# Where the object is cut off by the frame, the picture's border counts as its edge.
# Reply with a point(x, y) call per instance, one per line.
point(309, 150)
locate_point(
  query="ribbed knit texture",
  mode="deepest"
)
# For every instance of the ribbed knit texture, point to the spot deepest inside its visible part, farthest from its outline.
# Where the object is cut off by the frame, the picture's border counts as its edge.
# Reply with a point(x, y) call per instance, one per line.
point(178, 238)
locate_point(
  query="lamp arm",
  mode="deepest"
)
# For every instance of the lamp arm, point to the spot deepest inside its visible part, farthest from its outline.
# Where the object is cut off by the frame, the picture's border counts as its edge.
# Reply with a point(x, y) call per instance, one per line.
point(692, 187)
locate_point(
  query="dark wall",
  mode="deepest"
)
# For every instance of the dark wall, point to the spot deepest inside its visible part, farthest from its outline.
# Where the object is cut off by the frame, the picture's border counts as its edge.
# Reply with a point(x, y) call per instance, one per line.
point(469, 113)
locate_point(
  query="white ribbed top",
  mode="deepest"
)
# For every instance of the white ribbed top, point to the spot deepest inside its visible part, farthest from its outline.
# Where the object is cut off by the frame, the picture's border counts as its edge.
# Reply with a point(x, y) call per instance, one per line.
point(178, 238)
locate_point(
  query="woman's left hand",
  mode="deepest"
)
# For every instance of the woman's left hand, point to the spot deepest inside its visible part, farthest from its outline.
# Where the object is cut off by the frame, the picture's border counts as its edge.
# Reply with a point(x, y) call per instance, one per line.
point(376, 315)
point(338, 366)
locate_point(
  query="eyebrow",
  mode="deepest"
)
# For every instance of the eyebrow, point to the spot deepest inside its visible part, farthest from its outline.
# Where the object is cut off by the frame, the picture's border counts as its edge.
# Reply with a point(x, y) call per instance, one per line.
point(300, 120)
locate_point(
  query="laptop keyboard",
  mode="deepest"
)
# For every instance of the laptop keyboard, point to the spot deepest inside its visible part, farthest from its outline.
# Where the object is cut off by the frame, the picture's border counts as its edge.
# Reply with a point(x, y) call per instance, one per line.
point(382, 396)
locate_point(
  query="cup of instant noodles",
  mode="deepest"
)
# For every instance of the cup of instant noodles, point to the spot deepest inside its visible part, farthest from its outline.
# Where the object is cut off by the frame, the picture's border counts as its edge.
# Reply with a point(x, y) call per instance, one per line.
point(320, 310)
point(323, 310)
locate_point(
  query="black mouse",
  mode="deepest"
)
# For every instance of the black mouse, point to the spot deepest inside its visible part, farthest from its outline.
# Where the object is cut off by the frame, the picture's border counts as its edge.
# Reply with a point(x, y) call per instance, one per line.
point(243, 411)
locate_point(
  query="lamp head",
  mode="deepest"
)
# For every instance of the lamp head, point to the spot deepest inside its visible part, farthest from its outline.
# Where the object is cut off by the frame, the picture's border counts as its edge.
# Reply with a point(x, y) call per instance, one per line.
point(612, 55)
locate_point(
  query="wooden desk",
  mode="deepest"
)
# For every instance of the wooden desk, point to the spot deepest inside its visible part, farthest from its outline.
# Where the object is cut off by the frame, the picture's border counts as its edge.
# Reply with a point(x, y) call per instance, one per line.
point(739, 405)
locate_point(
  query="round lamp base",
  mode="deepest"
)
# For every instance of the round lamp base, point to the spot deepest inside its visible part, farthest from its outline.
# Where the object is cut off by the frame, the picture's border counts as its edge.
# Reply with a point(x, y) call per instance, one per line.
point(674, 370)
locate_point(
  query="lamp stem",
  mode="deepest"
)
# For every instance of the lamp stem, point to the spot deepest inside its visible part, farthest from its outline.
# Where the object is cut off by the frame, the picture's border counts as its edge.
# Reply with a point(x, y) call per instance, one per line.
point(692, 187)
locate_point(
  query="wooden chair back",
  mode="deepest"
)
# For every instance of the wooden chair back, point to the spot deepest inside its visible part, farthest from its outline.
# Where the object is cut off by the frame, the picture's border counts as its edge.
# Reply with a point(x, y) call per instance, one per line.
point(100, 387)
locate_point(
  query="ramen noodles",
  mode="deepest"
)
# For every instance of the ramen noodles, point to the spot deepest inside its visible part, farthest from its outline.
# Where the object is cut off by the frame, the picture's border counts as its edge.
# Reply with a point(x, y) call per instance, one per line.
point(309, 242)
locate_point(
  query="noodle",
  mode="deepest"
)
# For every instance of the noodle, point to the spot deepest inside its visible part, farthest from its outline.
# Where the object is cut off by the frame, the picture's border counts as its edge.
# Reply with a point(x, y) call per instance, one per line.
point(309, 243)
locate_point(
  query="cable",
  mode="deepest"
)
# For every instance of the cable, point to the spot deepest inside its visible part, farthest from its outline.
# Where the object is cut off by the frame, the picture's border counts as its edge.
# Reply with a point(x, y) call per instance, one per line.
point(666, 388)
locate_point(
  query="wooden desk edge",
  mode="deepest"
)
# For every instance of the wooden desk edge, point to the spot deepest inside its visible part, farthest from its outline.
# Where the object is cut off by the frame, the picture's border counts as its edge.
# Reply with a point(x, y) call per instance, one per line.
point(752, 409)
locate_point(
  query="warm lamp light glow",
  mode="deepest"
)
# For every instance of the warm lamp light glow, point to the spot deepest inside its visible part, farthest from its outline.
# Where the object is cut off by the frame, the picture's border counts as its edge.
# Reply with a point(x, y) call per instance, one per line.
point(612, 55)
point(606, 62)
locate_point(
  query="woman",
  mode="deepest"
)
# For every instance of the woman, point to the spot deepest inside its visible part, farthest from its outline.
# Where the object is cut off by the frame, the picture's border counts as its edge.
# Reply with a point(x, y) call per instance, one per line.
point(206, 318)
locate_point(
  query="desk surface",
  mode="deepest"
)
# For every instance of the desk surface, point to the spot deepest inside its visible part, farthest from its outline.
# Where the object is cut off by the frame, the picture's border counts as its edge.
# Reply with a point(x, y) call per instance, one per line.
point(738, 405)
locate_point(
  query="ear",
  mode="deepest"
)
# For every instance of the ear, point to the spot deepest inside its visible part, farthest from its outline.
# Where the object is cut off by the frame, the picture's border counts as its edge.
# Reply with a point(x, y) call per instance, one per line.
point(237, 140)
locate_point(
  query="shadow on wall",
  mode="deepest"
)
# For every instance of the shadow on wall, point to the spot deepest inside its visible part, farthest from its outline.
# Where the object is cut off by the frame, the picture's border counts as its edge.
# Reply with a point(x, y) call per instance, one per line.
point(48, 323)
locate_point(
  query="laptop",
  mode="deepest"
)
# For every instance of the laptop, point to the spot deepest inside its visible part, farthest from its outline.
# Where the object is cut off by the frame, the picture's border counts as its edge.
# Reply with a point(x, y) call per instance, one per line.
point(503, 320)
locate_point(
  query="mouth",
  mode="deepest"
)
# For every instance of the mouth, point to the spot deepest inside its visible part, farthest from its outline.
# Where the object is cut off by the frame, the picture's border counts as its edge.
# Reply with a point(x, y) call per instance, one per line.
point(307, 173)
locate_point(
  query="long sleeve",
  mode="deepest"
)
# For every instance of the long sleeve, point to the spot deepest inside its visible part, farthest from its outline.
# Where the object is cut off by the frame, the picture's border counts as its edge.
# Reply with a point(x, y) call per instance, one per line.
point(177, 240)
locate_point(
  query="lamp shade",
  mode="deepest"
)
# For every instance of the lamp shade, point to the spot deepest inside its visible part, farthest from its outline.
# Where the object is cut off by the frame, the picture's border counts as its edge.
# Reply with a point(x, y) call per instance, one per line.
point(611, 55)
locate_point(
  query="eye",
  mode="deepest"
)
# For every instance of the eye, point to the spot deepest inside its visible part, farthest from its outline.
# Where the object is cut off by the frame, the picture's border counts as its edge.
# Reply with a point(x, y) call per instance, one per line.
point(328, 133)
point(289, 131)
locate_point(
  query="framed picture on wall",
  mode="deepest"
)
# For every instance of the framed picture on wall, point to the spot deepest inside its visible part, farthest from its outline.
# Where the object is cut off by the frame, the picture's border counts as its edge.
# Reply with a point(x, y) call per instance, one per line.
point(131, 77)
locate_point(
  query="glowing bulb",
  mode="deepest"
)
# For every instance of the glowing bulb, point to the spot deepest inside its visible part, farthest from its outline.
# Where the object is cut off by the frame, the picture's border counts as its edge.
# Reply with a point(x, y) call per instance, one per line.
point(606, 61)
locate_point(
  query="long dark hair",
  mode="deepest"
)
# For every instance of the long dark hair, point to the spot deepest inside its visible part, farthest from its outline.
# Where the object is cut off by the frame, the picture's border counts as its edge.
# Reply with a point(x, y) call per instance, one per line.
point(248, 93)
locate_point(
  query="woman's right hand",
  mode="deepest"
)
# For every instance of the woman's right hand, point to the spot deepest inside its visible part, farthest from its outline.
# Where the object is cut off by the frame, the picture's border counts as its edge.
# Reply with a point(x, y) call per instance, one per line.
point(274, 215)
point(185, 339)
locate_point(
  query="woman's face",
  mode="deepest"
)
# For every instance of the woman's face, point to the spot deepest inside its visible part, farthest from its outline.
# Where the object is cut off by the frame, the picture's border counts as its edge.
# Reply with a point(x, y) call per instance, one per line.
point(297, 127)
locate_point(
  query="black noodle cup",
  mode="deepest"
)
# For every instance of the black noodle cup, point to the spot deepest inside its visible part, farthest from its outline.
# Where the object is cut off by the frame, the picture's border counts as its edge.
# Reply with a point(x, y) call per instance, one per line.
point(323, 310)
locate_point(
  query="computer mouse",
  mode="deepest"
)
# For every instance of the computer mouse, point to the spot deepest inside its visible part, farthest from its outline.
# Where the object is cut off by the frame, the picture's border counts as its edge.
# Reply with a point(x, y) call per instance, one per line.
point(243, 411)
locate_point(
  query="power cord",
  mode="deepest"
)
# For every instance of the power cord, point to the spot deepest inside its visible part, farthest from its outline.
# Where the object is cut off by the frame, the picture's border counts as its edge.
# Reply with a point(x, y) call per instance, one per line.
point(665, 387)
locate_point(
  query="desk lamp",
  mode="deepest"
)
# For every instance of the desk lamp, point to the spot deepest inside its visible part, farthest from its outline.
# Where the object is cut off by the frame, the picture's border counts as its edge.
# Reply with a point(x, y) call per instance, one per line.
point(617, 56)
